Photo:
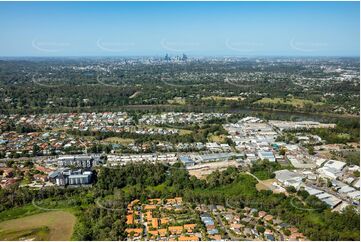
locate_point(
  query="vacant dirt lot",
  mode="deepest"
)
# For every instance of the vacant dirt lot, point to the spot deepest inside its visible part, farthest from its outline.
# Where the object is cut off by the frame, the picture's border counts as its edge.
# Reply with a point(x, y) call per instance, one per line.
point(266, 185)
point(202, 170)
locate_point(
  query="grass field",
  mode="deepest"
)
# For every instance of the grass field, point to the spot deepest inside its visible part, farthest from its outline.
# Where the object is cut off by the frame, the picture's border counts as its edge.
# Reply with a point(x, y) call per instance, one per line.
point(55, 225)
point(220, 98)
point(185, 131)
point(118, 140)
point(344, 136)
point(13, 213)
point(177, 100)
point(217, 138)
point(296, 102)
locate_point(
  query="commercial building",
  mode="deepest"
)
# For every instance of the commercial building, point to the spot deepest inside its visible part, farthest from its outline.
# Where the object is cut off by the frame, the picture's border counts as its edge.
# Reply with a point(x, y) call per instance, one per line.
point(64, 177)
point(187, 161)
point(79, 161)
point(216, 157)
point(266, 155)
point(331, 169)
point(289, 178)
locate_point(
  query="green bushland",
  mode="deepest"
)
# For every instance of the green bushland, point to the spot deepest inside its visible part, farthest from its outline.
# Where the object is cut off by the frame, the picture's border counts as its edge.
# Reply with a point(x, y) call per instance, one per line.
point(115, 188)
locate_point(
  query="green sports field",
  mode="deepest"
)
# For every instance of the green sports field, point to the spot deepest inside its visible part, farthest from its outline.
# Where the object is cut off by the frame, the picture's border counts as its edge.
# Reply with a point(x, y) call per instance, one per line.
point(55, 225)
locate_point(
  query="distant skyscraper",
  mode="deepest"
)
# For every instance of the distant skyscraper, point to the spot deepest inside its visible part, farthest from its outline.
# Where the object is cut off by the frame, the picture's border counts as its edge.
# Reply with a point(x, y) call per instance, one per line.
point(184, 57)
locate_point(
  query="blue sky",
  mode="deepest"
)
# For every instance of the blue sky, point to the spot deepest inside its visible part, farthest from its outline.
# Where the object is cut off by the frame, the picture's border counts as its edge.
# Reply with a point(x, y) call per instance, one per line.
point(195, 28)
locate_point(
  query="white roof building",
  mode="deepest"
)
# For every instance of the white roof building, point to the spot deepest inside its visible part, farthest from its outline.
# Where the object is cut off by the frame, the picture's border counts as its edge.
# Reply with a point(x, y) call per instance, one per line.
point(346, 189)
point(291, 147)
point(341, 207)
point(327, 172)
point(313, 191)
point(331, 169)
point(300, 162)
point(267, 155)
point(354, 168)
point(349, 180)
point(334, 164)
point(355, 195)
point(357, 183)
point(332, 201)
point(320, 161)
point(323, 195)
point(289, 178)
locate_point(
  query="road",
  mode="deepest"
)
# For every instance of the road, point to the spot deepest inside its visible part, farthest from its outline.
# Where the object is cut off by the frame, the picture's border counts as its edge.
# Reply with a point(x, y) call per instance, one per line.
point(230, 235)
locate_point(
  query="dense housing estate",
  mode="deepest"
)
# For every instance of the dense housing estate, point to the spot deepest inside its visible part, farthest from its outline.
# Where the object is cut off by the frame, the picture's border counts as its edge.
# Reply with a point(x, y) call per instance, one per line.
point(253, 139)
point(250, 140)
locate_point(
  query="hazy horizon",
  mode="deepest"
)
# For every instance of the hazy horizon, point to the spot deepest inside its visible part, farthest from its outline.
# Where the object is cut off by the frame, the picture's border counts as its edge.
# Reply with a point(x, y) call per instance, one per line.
point(234, 29)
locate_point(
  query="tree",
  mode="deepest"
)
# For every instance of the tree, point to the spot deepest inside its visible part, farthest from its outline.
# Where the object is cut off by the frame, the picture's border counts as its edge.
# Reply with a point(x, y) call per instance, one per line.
point(10, 163)
point(291, 189)
point(311, 150)
point(282, 151)
point(36, 150)
point(303, 193)
point(28, 164)
point(260, 229)
point(356, 173)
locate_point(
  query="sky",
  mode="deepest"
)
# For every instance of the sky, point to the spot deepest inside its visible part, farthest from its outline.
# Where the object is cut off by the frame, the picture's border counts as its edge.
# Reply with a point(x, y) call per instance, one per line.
point(193, 28)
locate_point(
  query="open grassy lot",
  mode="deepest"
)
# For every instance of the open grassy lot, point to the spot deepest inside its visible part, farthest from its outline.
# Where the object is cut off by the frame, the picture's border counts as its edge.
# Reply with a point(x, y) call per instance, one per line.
point(344, 136)
point(217, 138)
point(118, 140)
point(14, 213)
point(39, 234)
point(177, 100)
point(220, 98)
point(296, 102)
point(185, 132)
point(55, 225)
